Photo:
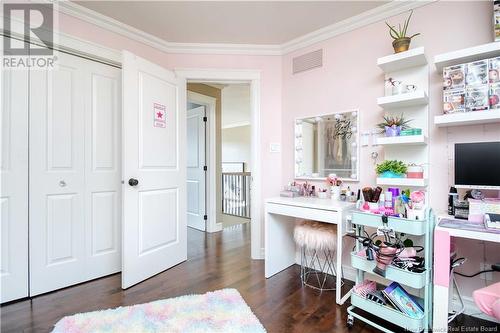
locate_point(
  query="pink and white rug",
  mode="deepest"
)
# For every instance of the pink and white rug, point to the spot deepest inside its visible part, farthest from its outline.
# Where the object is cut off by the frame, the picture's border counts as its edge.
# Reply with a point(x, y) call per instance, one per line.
point(217, 311)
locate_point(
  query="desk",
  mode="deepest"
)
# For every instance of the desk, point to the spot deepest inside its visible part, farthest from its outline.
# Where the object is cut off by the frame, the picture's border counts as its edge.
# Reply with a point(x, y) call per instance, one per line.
point(442, 241)
point(280, 251)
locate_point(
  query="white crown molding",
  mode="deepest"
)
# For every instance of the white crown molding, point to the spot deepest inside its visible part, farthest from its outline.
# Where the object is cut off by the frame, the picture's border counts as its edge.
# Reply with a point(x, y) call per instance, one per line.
point(368, 17)
point(380, 13)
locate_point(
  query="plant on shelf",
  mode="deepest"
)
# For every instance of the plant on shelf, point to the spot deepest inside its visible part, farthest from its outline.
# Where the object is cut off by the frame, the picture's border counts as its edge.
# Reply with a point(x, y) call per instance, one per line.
point(401, 41)
point(392, 125)
point(391, 169)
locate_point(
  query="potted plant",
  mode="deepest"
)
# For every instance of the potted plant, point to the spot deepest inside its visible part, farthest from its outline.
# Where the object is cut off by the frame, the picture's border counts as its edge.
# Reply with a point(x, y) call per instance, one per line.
point(401, 41)
point(391, 169)
point(392, 125)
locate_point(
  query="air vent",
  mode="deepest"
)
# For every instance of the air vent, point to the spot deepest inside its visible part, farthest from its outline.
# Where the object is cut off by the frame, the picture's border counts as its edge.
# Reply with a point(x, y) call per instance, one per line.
point(307, 61)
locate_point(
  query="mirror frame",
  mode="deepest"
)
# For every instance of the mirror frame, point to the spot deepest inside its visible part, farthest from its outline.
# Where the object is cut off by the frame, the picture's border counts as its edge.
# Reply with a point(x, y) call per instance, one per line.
point(358, 152)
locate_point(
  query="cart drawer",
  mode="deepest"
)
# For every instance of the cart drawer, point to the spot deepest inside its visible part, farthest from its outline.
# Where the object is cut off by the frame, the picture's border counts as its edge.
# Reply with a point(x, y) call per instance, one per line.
point(412, 227)
point(410, 279)
point(394, 316)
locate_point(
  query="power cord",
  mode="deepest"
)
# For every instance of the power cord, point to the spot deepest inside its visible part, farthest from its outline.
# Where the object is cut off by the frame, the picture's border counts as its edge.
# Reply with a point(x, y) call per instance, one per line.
point(494, 268)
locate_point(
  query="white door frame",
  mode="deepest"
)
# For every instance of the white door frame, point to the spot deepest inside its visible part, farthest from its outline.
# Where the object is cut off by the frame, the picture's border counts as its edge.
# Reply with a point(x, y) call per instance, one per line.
point(226, 76)
point(211, 185)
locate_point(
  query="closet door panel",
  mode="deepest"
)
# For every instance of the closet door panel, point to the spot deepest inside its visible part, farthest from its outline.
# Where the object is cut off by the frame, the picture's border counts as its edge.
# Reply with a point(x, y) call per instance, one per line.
point(14, 185)
point(57, 255)
point(103, 170)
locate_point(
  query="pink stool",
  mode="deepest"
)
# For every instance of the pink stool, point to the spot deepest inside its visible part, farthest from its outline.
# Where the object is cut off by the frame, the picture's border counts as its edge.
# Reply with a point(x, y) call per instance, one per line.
point(488, 300)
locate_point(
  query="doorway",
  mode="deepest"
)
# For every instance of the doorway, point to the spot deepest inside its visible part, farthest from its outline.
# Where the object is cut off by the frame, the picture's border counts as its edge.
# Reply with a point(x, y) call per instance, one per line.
point(225, 77)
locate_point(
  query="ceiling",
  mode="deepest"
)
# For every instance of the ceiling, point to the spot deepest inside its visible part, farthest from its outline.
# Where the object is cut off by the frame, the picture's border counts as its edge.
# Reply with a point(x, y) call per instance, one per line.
point(232, 22)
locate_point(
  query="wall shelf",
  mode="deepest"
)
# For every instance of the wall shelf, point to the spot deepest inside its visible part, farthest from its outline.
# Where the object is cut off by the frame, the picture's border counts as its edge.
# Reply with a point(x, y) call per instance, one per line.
point(402, 140)
point(403, 100)
point(467, 118)
point(412, 182)
point(479, 52)
point(403, 60)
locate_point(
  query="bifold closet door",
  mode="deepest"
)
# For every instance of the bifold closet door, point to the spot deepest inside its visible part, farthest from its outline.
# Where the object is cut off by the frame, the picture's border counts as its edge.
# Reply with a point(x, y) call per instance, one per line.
point(74, 173)
point(14, 189)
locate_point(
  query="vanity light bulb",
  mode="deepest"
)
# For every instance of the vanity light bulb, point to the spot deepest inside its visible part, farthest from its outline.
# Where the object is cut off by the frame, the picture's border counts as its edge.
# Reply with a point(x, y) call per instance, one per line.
point(354, 144)
point(319, 119)
point(354, 129)
point(338, 116)
point(353, 175)
point(354, 158)
point(354, 114)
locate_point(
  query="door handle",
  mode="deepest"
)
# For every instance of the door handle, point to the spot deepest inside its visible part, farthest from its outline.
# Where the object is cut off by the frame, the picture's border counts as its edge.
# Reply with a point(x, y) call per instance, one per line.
point(133, 182)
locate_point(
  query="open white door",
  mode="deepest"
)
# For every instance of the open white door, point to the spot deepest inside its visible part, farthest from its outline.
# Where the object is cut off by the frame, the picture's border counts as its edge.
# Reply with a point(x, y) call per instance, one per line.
point(154, 170)
point(196, 173)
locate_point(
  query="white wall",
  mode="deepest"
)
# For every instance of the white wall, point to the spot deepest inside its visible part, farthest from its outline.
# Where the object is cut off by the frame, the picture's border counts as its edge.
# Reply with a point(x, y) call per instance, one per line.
point(235, 105)
point(236, 145)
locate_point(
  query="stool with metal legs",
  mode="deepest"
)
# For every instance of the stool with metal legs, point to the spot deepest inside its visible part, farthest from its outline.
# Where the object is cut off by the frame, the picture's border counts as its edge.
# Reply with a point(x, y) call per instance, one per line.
point(318, 245)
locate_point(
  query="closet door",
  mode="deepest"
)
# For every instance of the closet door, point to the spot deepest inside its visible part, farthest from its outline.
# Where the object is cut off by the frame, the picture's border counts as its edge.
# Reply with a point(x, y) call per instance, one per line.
point(14, 185)
point(102, 169)
point(57, 176)
point(75, 185)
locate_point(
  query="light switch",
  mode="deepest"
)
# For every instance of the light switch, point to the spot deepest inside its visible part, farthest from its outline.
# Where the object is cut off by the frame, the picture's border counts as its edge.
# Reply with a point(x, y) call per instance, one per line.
point(274, 147)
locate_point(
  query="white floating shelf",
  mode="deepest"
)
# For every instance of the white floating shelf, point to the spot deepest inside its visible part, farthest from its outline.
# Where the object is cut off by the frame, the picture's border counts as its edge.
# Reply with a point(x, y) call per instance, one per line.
point(403, 100)
point(412, 182)
point(479, 52)
point(398, 61)
point(402, 140)
point(467, 118)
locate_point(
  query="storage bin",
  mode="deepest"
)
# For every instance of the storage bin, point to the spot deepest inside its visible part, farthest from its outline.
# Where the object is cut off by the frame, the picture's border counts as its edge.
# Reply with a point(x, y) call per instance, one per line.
point(391, 315)
point(413, 227)
point(402, 276)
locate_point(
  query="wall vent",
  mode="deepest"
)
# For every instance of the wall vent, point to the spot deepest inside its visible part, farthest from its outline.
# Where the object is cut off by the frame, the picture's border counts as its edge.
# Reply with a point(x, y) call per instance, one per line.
point(307, 61)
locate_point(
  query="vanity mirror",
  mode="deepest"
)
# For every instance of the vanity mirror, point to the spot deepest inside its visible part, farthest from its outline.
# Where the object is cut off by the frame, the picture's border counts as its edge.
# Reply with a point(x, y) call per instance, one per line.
point(327, 144)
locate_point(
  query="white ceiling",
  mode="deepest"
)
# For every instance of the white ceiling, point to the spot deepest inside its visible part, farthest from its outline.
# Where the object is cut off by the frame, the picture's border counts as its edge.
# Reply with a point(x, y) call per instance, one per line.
point(233, 22)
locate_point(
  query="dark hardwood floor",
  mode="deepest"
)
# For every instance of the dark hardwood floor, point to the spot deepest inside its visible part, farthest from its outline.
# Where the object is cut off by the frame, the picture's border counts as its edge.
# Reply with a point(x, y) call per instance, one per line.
point(215, 261)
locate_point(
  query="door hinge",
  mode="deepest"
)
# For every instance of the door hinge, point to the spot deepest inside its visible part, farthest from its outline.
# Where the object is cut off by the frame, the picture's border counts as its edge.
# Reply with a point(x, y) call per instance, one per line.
point(205, 119)
point(205, 168)
point(205, 217)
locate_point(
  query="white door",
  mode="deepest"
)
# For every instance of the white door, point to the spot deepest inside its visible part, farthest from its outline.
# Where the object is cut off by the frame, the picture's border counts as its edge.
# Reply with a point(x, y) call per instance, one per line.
point(154, 170)
point(14, 185)
point(56, 176)
point(75, 179)
point(103, 166)
point(196, 173)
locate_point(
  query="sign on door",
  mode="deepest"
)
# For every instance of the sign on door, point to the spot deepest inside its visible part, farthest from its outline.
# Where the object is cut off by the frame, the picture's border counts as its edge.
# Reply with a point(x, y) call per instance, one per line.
point(159, 115)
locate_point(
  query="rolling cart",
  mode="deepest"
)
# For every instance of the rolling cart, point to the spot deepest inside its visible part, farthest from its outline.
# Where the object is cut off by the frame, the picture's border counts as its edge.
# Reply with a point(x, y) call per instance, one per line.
point(422, 281)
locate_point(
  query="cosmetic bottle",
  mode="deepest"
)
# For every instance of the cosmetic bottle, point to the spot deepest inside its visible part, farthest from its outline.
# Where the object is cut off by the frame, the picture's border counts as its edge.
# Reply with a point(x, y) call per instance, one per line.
point(381, 201)
point(388, 199)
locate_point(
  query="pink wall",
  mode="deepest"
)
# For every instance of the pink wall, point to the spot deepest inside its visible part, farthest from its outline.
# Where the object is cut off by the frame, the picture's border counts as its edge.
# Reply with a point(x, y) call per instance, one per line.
point(351, 79)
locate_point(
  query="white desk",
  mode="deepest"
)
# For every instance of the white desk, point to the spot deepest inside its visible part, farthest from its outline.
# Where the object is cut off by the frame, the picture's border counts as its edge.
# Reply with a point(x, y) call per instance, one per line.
point(442, 241)
point(280, 218)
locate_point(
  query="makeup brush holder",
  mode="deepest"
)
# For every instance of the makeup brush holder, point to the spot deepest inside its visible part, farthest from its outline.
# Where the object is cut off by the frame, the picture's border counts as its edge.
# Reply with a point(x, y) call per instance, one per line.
point(335, 193)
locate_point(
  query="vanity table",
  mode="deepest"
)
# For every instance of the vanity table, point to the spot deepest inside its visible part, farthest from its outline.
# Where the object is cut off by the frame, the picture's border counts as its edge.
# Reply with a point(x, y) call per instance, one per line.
point(280, 216)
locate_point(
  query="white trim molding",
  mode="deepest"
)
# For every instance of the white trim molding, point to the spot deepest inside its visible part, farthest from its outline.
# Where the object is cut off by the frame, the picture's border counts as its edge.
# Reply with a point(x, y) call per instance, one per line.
point(379, 13)
point(253, 77)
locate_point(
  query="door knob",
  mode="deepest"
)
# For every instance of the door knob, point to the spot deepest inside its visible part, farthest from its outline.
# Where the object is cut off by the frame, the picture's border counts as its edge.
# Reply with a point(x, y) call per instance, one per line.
point(62, 183)
point(133, 182)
